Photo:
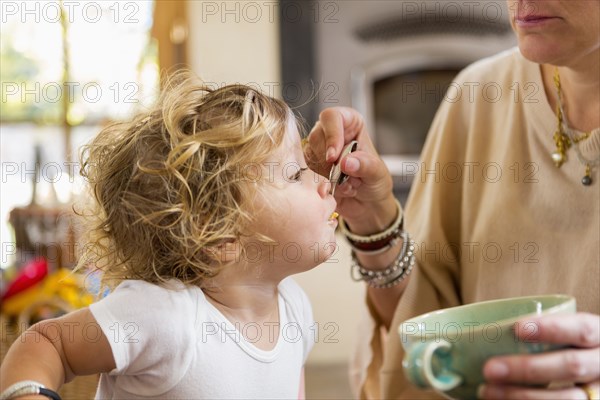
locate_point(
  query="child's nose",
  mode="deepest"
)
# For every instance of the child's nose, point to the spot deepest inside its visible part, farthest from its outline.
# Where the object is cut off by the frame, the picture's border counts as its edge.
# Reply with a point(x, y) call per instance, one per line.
point(324, 186)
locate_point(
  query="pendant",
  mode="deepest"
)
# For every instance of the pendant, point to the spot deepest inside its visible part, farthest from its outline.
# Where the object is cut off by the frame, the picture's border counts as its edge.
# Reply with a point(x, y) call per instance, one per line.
point(587, 179)
point(562, 145)
point(558, 158)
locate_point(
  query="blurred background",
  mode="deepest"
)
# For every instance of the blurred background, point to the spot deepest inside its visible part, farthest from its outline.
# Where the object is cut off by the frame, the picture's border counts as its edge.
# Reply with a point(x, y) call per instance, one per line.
point(70, 67)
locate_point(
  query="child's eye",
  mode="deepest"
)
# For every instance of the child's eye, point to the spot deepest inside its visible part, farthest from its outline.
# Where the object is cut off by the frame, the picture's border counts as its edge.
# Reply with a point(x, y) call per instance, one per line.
point(298, 174)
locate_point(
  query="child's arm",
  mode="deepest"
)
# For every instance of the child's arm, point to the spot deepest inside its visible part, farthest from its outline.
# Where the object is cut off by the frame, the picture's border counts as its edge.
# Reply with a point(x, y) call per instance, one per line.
point(54, 351)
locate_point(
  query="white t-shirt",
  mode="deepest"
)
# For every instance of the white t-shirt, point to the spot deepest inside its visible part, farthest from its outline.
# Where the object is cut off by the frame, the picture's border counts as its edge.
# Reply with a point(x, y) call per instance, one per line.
point(172, 343)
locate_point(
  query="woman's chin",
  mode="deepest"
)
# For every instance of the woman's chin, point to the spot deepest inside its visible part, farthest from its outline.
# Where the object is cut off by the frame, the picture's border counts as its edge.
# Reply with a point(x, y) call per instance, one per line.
point(541, 51)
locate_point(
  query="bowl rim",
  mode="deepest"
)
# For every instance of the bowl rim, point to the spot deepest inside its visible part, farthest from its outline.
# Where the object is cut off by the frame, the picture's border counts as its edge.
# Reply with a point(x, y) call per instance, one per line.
point(568, 300)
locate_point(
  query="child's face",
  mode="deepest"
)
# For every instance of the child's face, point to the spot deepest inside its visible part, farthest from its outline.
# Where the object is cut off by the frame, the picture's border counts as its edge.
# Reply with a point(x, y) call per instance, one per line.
point(295, 209)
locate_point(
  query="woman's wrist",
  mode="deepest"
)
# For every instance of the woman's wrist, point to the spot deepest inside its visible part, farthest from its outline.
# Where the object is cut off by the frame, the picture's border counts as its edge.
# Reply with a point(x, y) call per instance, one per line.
point(378, 242)
point(378, 250)
point(376, 218)
point(396, 271)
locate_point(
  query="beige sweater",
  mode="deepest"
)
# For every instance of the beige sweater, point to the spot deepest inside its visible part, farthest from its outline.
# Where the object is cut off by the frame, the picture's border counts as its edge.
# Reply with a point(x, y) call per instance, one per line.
point(493, 217)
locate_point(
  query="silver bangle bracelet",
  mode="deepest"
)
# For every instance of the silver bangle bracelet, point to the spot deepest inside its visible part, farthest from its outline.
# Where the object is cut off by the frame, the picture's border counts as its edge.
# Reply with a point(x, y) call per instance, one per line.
point(24, 388)
point(393, 274)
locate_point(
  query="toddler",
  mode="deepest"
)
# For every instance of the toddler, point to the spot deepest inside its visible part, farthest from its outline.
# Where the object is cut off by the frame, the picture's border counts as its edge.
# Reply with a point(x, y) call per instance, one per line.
point(203, 208)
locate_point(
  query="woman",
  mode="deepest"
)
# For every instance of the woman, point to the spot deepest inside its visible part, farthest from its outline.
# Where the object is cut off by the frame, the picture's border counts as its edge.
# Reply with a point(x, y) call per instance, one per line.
point(506, 204)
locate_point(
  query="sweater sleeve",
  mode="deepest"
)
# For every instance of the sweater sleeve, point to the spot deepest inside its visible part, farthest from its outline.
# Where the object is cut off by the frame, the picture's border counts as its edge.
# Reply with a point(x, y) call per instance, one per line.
point(495, 115)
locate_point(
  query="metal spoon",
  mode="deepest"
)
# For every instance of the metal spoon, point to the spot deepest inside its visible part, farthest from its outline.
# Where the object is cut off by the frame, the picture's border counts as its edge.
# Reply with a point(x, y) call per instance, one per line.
point(336, 176)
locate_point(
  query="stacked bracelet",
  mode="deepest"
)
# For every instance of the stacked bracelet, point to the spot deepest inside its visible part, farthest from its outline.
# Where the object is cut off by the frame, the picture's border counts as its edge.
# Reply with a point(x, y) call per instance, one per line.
point(377, 243)
point(393, 274)
point(25, 388)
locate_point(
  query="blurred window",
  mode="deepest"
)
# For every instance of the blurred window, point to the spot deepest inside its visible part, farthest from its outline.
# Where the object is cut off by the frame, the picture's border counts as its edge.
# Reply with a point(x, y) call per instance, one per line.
point(67, 69)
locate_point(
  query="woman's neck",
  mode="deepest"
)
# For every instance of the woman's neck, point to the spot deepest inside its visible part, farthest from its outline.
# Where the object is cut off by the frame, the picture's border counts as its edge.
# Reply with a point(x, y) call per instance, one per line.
point(580, 85)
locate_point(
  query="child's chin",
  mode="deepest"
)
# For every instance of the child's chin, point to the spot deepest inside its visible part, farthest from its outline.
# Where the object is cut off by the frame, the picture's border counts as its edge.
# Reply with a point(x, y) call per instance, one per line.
point(328, 253)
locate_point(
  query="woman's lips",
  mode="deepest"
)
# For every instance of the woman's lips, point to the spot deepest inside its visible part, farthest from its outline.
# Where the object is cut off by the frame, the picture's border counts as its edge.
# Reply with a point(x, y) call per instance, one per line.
point(533, 21)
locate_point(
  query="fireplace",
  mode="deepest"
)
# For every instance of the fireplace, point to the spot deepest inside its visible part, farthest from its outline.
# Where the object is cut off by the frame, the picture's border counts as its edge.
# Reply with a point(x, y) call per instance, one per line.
point(390, 59)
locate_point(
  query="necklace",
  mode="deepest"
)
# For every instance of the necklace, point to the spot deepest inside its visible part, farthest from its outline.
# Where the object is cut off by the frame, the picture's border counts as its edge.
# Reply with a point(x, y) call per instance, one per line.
point(565, 137)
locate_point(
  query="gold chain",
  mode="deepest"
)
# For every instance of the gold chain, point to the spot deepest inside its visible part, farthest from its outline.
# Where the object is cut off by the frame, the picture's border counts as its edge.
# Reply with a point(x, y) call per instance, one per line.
point(564, 141)
point(561, 140)
point(582, 137)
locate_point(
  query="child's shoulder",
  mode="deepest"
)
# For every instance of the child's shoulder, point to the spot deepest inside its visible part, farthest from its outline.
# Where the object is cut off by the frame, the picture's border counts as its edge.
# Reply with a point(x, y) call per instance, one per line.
point(170, 287)
point(172, 290)
point(150, 329)
point(134, 298)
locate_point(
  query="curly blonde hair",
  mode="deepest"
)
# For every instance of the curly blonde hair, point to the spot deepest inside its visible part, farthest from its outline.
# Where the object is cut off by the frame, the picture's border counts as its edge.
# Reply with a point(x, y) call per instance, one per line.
point(167, 186)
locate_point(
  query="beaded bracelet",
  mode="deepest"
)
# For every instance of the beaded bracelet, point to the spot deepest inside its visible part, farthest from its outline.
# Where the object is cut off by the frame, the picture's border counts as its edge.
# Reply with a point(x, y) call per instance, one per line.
point(24, 388)
point(377, 243)
point(393, 274)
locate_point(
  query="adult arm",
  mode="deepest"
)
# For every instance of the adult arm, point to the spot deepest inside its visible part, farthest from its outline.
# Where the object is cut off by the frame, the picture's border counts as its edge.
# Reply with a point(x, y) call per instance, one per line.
point(366, 200)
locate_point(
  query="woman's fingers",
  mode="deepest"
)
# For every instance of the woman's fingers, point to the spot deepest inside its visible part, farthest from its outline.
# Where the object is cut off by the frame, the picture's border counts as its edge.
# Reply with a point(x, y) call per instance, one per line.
point(521, 393)
point(579, 330)
point(580, 363)
point(331, 127)
point(336, 127)
point(367, 166)
point(367, 195)
point(314, 152)
point(572, 365)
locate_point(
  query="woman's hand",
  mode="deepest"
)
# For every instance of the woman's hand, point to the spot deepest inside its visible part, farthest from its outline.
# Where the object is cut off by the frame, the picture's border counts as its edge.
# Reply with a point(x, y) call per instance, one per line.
point(508, 376)
point(366, 200)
